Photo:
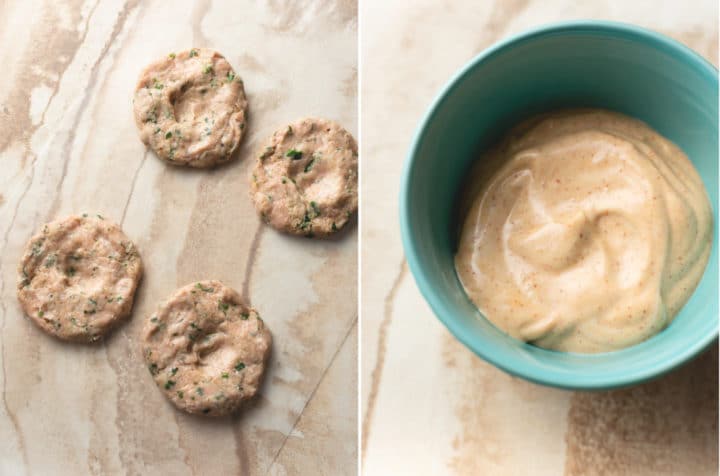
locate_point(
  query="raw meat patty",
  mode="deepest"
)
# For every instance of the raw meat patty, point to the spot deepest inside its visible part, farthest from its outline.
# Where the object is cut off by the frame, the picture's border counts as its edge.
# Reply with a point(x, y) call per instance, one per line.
point(190, 108)
point(305, 179)
point(78, 276)
point(206, 349)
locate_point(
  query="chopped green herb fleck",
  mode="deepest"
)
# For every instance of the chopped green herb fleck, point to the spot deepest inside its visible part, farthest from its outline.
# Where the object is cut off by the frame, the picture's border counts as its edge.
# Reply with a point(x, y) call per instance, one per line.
point(153, 368)
point(334, 227)
point(173, 371)
point(305, 223)
point(37, 248)
point(71, 271)
point(169, 384)
point(199, 391)
point(180, 395)
point(208, 69)
point(309, 165)
point(244, 316)
point(294, 154)
point(230, 76)
point(50, 261)
point(315, 208)
point(193, 53)
point(168, 134)
point(153, 319)
point(157, 84)
point(225, 375)
point(100, 217)
point(172, 55)
point(223, 306)
point(239, 366)
point(41, 313)
point(202, 288)
point(284, 180)
point(268, 152)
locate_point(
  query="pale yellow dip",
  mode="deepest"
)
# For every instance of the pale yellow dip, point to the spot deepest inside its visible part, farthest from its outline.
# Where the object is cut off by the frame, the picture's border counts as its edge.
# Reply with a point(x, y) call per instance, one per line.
point(586, 232)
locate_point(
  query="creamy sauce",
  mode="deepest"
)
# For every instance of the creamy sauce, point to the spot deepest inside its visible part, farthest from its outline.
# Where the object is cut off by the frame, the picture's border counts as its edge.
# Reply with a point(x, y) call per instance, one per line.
point(586, 232)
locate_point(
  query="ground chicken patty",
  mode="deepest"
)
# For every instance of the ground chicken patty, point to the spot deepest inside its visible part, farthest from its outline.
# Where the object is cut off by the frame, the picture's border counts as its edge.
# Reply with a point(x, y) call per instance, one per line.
point(206, 349)
point(190, 108)
point(78, 276)
point(305, 178)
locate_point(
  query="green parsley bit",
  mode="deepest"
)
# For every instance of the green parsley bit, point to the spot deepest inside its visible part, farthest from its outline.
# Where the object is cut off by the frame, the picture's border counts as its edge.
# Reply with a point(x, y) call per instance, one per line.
point(199, 391)
point(306, 222)
point(225, 375)
point(223, 306)
point(294, 154)
point(173, 371)
point(309, 165)
point(100, 217)
point(230, 76)
point(168, 134)
point(315, 208)
point(208, 69)
point(334, 227)
point(180, 395)
point(239, 366)
point(41, 313)
point(172, 56)
point(153, 368)
point(153, 319)
point(193, 53)
point(202, 288)
point(244, 316)
point(169, 384)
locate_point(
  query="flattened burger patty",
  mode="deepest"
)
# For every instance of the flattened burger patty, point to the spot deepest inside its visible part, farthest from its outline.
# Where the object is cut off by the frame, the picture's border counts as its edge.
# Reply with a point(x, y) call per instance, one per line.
point(305, 178)
point(190, 108)
point(78, 276)
point(206, 349)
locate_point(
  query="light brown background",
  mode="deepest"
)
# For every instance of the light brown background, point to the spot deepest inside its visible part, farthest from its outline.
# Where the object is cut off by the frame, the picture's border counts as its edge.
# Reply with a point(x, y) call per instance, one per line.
point(429, 405)
point(68, 144)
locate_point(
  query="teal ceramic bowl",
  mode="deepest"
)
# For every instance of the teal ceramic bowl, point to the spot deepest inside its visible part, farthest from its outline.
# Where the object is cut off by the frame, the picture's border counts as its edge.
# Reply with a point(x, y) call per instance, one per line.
point(595, 64)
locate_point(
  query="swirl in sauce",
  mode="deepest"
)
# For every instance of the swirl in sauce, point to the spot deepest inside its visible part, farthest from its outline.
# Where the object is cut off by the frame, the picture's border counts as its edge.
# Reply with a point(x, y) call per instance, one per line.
point(586, 232)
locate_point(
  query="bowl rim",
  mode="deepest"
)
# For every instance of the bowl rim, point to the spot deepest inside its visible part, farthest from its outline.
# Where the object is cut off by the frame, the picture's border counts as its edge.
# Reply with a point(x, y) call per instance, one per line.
point(432, 297)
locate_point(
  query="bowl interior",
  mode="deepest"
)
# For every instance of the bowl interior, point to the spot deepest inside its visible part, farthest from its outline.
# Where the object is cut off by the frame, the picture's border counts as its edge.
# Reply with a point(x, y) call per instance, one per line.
point(593, 64)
